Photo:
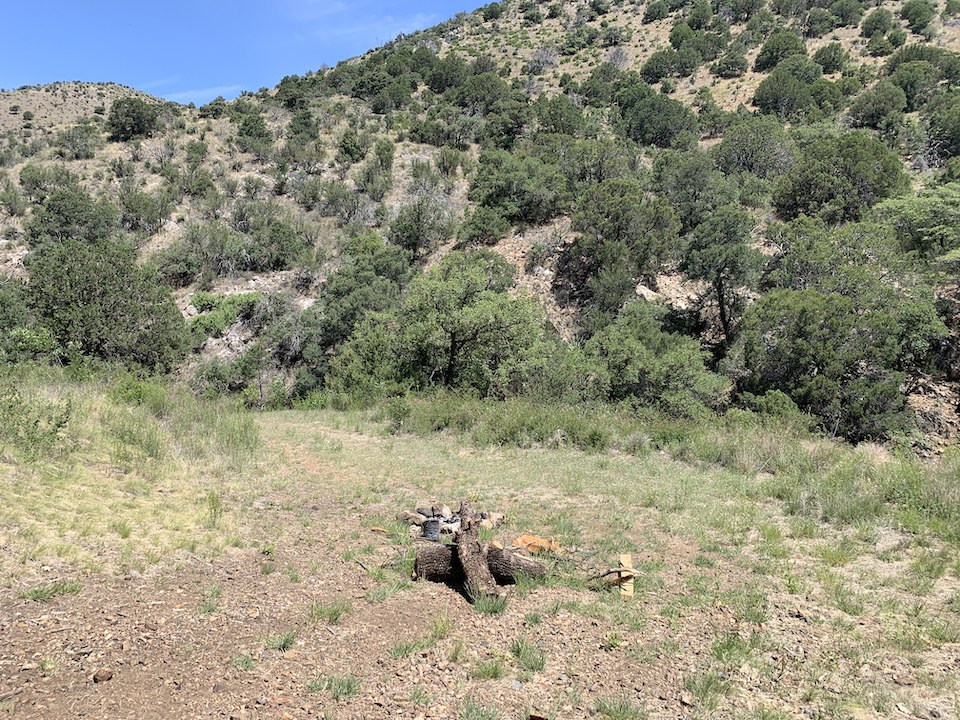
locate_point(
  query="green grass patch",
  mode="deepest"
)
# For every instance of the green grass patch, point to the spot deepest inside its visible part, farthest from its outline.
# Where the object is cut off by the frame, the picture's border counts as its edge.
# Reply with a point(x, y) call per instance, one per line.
point(43, 593)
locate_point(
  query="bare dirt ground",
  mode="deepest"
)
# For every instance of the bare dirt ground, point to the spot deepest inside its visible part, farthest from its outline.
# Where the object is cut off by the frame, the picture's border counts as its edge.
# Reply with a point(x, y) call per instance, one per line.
point(739, 611)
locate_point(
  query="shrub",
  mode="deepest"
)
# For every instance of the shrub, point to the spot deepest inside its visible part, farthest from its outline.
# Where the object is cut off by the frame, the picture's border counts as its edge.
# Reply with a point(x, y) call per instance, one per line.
point(879, 107)
point(779, 46)
point(878, 22)
point(94, 296)
point(832, 58)
point(484, 226)
point(656, 10)
point(839, 179)
point(927, 224)
point(456, 327)
point(131, 118)
point(918, 79)
point(31, 426)
point(651, 118)
point(756, 145)
point(79, 142)
point(521, 187)
point(652, 367)
point(420, 226)
point(70, 212)
point(918, 14)
point(731, 65)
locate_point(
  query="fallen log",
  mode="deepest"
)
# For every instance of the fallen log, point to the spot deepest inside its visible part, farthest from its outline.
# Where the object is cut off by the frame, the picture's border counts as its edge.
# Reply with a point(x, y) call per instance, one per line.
point(479, 580)
point(440, 563)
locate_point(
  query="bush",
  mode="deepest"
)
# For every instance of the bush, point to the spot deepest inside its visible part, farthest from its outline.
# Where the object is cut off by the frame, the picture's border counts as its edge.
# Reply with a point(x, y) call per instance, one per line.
point(918, 80)
point(70, 212)
point(810, 345)
point(779, 46)
point(832, 58)
point(819, 22)
point(655, 368)
point(79, 142)
point(521, 187)
point(456, 327)
point(651, 118)
point(880, 107)
point(918, 14)
point(758, 145)
point(927, 224)
point(484, 226)
point(32, 426)
point(131, 118)
point(878, 22)
point(94, 296)
point(656, 10)
point(839, 179)
point(731, 65)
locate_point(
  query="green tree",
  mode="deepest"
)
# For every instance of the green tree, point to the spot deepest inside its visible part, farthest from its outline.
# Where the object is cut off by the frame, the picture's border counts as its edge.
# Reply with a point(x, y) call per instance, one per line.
point(79, 142)
point(70, 212)
point(880, 107)
point(832, 58)
point(719, 253)
point(878, 22)
point(94, 296)
point(839, 179)
point(692, 185)
point(918, 14)
point(829, 360)
point(370, 279)
point(420, 226)
point(484, 226)
point(523, 188)
point(782, 94)
point(651, 118)
point(927, 224)
point(456, 327)
point(757, 145)
point(918, 80)
point(779, 46)
point(652, 367)
point(132, 117)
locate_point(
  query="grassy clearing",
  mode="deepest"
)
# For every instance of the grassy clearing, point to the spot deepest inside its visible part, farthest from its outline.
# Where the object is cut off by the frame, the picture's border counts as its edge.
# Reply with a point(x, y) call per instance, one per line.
point(139, 472)
point(713, 549)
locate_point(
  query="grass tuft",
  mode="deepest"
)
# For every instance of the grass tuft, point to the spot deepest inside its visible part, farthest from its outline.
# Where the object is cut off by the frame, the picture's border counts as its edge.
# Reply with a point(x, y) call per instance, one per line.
point(339, 686)
point(43, 593)
point(282, 642)
point(331, 613)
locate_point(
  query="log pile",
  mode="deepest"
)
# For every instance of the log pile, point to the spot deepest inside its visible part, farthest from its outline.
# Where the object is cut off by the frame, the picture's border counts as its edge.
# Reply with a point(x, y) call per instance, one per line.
point(482, 569)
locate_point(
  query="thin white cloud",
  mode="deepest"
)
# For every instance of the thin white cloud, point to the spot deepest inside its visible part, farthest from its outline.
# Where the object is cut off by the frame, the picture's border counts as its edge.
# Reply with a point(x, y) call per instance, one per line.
point(202, 95)
point(154, 84)
point(380, 29)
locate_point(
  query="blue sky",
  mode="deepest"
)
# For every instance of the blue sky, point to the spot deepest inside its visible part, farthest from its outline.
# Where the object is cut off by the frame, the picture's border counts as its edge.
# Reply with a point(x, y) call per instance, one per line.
point(194, 51)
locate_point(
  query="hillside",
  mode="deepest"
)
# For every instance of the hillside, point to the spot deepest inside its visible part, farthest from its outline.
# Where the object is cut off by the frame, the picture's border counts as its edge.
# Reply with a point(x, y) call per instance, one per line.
point(534, 131)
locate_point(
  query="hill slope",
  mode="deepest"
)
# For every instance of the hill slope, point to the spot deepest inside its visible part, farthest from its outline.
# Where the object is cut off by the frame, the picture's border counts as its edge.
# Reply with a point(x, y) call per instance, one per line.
point(532, 130)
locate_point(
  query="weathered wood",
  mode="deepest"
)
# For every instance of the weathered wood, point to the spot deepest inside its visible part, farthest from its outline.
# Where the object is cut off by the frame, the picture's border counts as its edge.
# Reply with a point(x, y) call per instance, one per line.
point(479, 580)
point(439, 563)
point(507, 565)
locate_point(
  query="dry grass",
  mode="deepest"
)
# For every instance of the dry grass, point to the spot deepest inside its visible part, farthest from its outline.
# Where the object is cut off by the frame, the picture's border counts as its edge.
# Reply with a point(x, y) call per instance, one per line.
point(132, 490)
